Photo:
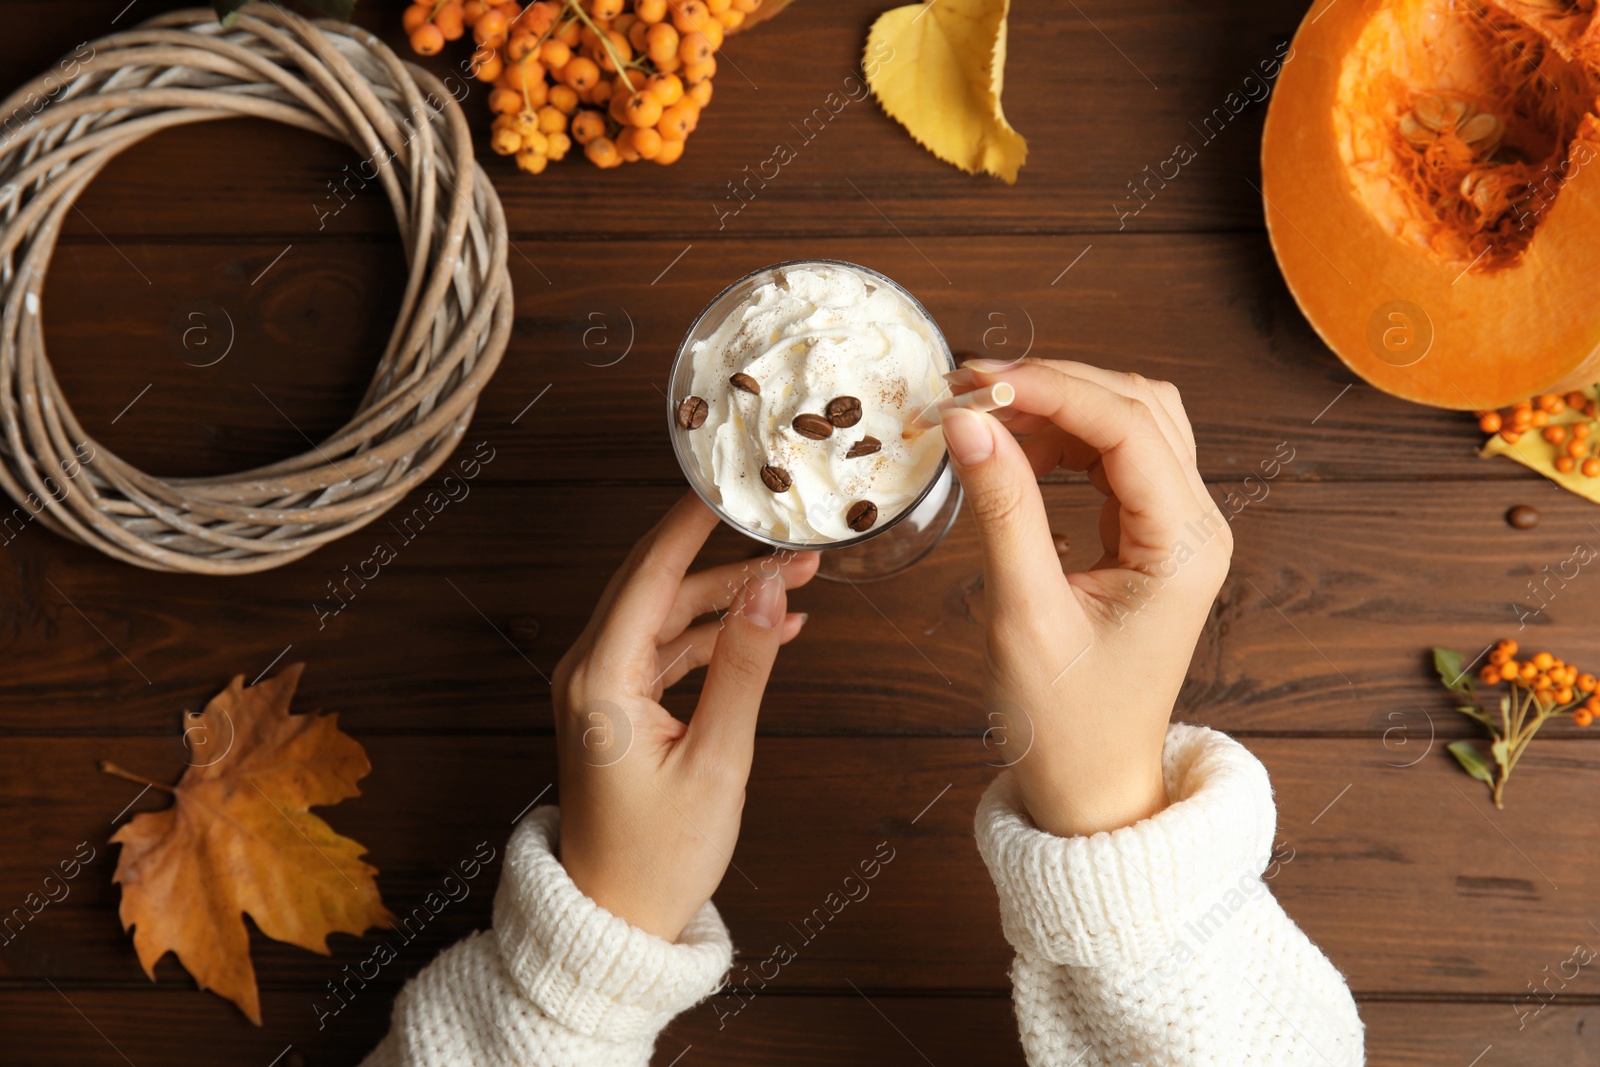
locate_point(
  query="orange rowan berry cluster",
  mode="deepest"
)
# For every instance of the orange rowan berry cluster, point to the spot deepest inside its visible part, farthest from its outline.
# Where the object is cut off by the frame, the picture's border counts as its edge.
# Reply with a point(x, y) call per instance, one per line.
point(1575, 448)
point(624, 79)
point(1553, 685)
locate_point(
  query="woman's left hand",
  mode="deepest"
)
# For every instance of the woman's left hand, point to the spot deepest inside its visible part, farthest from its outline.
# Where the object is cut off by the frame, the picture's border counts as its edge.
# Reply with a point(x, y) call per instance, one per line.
point(650, 806)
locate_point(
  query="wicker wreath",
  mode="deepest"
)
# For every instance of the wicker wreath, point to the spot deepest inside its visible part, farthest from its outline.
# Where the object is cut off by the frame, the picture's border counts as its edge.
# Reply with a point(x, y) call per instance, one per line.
point(333, 79)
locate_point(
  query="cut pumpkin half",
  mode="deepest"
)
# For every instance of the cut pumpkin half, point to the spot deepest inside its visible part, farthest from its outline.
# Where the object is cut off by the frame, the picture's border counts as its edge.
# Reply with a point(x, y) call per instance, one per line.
point(1431, 178)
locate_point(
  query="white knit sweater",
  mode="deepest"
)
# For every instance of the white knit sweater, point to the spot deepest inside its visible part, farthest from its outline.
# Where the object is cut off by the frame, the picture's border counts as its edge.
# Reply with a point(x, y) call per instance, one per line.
point(1157, 945)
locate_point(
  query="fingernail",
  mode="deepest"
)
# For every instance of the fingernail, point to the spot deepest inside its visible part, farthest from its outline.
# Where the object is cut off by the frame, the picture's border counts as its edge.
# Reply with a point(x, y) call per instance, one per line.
point(805, 616)
point(763, 602)
point(967, 436)
point(990, 365)
point(960, 379)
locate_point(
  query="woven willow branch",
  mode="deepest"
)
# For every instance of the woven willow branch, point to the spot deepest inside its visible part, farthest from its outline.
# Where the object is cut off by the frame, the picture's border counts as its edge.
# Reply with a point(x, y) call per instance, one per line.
point(332, 79)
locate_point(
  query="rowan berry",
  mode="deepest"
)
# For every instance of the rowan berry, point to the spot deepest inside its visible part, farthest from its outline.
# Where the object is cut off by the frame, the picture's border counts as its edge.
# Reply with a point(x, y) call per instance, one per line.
point(490, 27)
point(1551, 403)
point(557, 145)
point(1490, 674)
point(1510, 437)
point(602, 152)
point(747, 6)
point(427, 40)
point(1576, 400)
point(551, 119)
point(1499, 656)
point(731, 19)
point(705, 70)
point(642, 110)
point(505, 141)
point(671, 152)
point(563, 99)
point(1529, 671)
point(688, 14)
point(662, 42)
point(1490, 423)
point(532, 162)
point(450, 21)
point(1566, 464)
point(1587, 683)
point(647, 142)
point(1583, 717)
point(666, 88)
point(587, 125)
point(1591, 468)
point(639, 36)
point(505, 101)
point(1555, 434)
point(1581, 430)
point(555, 54)
point(677, 121)
point(1540, 418)
point(650, 10)
point(487, 64)
point(700, 94)
point(581, 73)
point(605, 9)
point(415, 16)
point(1564, 694)
point(472, 11)
point(694, 48)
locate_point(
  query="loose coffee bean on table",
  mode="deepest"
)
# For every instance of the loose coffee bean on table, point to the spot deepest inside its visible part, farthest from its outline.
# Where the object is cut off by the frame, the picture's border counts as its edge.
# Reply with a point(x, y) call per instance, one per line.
point(861, 516)
point(743, 381)
point(844, 411)
point(777, 478)
point(692, 413)
point(864, 447)
point(1523, 517)
point(813, 426)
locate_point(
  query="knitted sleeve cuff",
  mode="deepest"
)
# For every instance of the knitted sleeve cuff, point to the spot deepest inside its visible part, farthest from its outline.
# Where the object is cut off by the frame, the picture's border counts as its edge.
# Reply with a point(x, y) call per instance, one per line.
point(586, 968)
point(1118, 897)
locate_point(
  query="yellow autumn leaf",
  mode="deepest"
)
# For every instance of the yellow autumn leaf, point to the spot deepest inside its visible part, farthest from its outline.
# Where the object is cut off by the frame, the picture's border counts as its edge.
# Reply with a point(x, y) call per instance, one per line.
point(937, 68)
point(1535, 453)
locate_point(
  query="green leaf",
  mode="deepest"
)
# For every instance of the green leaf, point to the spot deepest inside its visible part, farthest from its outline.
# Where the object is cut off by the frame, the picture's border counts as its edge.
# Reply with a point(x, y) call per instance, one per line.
point(227, 10)
point(339, 9)
point(1447, 661)
point(1472, 711)
point(1467, 754)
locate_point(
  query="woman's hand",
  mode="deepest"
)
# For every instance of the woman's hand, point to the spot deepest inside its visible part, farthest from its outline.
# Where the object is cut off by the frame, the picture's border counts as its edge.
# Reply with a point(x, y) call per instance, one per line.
point(650, 807)
point(1087, 666)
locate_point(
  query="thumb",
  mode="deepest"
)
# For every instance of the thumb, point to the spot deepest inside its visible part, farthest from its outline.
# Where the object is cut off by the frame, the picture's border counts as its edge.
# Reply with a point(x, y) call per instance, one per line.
point(724, 722)
point(1020, 560)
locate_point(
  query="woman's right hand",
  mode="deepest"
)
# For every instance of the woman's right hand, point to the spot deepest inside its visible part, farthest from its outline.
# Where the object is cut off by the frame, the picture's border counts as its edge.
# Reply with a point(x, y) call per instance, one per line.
point(1083, 669)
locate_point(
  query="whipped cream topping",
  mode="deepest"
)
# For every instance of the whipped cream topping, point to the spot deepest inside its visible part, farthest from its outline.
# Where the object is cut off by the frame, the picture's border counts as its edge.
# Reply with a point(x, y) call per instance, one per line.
point(812, 335)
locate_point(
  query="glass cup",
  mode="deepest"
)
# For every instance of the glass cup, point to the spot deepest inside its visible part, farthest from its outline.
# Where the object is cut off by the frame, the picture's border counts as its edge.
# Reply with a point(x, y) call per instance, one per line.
point(893, 544)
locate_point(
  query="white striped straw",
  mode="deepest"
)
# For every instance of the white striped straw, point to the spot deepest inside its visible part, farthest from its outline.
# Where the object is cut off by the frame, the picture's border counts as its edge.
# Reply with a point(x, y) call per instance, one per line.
point(989, 398)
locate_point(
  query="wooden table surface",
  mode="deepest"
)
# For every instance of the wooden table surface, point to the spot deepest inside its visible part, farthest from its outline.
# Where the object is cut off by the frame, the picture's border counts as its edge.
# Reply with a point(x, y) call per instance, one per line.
point(1383, 536)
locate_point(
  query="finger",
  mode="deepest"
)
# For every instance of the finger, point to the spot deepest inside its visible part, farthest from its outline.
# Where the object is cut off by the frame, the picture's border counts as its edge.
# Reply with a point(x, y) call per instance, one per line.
point(1142, 469)
point(713, 589)
point(1054, 447)
point(1018, 549)
point(723, 728)
point(1162, 397)
point(691, 650)
point(643, 590)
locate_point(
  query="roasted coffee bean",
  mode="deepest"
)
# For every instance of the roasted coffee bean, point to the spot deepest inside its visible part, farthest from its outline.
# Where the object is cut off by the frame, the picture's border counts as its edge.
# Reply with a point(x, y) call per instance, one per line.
point(692, 413)
point(1523, 517)
point(813, 426)
point(844, 411)
point(862, 514)
point(864, 447)
point(743, 381)
point(777, 478)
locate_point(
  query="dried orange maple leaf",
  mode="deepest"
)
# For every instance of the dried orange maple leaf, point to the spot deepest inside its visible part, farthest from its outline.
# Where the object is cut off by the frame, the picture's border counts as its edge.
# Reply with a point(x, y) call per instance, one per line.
point(239, 839)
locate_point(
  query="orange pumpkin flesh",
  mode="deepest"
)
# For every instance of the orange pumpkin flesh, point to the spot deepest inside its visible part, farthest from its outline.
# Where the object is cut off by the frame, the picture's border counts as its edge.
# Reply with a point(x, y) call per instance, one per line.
point(1431, 178)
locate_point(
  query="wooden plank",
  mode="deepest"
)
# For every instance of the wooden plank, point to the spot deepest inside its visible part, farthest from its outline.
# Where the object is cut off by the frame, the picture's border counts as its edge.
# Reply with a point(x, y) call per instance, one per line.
point(579, 395)
point(1382, 866)
point(1322, 627)
point(45, 1028)
point(790, 83)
